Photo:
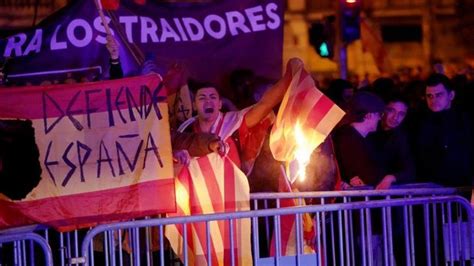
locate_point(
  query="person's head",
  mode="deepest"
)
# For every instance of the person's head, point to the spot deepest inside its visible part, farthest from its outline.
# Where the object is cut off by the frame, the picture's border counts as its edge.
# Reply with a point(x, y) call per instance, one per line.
point(241, 87)
point(207, 101)
point(439, 93)
point(384, 88)
point(395, 112)
point(365, 110)
point(340, 91)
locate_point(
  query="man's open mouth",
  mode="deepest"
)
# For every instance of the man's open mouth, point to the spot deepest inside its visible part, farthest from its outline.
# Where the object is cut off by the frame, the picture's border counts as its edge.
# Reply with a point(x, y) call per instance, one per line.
point(209, 110)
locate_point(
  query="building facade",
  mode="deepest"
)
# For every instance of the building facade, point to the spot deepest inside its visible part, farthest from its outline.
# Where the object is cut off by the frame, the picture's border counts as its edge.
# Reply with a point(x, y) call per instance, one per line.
point(415, 34)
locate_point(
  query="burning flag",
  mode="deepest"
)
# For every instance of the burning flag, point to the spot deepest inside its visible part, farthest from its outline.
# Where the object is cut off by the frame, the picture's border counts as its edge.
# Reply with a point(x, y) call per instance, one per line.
point(305, 119)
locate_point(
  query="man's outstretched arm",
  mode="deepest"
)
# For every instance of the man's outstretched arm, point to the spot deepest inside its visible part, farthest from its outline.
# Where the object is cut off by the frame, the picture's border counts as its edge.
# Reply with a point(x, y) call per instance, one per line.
point(272, 96)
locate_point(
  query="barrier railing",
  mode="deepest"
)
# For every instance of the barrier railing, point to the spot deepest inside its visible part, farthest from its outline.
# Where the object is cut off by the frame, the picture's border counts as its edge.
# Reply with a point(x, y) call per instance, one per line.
point(22, 248)
point(398, 191)
point(341, 243)
point(414, 226)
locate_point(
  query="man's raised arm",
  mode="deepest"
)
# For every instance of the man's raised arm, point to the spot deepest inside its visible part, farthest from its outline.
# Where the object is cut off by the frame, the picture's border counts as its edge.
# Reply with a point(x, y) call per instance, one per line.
point(272, 96)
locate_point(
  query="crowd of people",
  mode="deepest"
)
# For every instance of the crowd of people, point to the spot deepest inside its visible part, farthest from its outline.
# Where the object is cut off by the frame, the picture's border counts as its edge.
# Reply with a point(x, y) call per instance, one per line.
point(388, 136)
point(397, 138)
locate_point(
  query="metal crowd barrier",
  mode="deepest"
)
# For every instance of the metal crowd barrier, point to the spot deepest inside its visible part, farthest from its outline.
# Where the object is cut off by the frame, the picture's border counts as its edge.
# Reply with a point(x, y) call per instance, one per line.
point(421, 226)
point(366, 192)
point(21, 246)
point(343, 231)
point(336, 242)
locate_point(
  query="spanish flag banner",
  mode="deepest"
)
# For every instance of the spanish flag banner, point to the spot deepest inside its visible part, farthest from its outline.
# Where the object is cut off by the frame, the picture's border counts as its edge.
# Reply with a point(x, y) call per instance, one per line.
point(104, 153)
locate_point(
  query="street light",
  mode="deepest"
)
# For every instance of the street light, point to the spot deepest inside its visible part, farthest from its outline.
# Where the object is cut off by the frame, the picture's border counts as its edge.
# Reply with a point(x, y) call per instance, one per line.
point(350, 20)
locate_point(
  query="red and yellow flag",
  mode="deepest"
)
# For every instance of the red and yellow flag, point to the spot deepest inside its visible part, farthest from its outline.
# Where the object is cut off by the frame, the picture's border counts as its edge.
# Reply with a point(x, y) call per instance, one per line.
point(305, 118)
point(212, 184)
point(104, 151)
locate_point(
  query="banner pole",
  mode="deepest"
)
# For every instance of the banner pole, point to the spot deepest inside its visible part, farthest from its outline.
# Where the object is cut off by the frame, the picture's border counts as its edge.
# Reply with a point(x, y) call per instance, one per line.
point(100, 10)
point(102, 17)
point(285, 176)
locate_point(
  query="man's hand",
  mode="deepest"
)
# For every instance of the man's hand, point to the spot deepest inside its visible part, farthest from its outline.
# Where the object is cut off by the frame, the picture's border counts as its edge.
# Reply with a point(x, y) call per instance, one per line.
point(149, 66)
point(356, 182)
point(386, 182)
point(273, 96)
point(345, 186)
point(219, 146)
point(181, 157)
point(176, 77)
point(112, 47)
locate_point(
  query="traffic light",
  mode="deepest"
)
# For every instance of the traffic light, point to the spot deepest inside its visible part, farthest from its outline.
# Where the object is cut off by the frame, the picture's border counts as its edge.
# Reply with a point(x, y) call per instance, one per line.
point(321, 37)
point(350, 20)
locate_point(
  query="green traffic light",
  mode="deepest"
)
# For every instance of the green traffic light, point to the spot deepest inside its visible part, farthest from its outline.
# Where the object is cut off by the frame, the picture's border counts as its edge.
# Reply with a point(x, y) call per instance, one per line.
point(323, 50)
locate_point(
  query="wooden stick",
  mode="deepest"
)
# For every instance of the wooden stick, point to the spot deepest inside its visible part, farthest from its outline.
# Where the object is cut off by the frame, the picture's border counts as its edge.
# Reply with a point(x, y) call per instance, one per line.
point(102, 17)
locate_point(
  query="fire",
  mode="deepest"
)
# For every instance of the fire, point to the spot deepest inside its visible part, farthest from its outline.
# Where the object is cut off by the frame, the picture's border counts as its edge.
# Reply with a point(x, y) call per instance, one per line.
point(303, 151)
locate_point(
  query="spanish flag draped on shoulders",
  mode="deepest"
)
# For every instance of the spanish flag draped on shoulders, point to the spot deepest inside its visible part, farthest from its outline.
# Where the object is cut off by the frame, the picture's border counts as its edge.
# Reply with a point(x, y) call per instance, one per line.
point(244, 143)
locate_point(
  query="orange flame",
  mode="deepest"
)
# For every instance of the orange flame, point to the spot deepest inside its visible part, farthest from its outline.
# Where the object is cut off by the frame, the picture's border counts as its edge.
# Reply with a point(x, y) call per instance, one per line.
point(306, 140)
point(302, 152)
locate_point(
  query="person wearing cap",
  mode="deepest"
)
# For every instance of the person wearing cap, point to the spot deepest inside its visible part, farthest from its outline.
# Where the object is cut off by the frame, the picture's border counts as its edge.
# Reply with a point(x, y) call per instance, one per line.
point(357, 158)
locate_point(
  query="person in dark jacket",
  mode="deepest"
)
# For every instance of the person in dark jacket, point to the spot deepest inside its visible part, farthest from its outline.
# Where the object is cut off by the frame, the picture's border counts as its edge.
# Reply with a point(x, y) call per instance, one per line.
point(355, 154)
point(443, 138)
point(443, 148)
point(359, 162)
point(391, 143)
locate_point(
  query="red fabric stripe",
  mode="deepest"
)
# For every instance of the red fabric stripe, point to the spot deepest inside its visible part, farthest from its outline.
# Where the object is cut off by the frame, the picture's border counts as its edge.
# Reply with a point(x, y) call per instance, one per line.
point(212, 186)
point(140, 2)
point(229, 193)
point(186, 179)
point(110, 4)
point(103, 96)
point(86, 209)
point(317, 113)
point(200, 228)
point(297, 106)
point(211, 183)
point(293, 107)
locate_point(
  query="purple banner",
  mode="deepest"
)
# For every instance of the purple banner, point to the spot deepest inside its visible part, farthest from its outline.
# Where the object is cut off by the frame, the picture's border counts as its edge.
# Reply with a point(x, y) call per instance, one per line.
point(209, 39)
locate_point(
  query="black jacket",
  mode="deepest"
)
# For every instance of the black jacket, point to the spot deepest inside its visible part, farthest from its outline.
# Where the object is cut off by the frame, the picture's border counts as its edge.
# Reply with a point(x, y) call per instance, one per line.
point(395, 154)
point(444, 148)
point(356, 156)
